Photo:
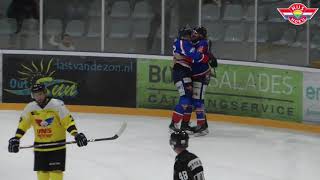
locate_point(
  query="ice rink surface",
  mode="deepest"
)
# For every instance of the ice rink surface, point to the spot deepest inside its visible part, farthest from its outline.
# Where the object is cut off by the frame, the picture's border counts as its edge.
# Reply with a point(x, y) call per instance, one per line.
point(229, 152)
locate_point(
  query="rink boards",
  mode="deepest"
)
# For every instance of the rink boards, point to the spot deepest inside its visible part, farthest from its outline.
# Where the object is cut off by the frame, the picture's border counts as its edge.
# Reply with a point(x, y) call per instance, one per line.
point(243, 92)
point(167, 113)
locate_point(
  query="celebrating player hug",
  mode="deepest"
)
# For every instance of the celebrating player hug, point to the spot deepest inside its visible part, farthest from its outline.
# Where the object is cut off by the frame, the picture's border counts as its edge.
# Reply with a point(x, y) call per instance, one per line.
point(191, 74)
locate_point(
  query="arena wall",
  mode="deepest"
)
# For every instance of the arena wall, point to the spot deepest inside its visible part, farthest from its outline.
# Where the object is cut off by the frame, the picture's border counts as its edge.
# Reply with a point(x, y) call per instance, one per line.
point(243, 92)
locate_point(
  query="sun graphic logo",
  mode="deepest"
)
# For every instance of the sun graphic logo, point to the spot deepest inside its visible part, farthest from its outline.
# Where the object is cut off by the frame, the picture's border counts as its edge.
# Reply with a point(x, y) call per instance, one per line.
point(35, 73)
point(41, 72)
point(44, 123)
point(297, 13)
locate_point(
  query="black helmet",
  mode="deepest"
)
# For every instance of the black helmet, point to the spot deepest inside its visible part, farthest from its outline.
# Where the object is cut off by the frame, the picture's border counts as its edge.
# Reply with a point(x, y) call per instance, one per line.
point(179, 139)
point(184, 32)
point(201, 30)
point(38, 88)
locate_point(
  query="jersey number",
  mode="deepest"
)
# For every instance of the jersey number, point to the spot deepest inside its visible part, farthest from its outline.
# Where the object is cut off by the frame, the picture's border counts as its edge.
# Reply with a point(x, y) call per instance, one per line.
point(174, 49)
point(183, 175)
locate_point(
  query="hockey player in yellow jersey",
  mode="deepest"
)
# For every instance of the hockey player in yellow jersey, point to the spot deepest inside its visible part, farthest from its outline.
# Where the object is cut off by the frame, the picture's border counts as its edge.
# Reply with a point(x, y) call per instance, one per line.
point(50, 120)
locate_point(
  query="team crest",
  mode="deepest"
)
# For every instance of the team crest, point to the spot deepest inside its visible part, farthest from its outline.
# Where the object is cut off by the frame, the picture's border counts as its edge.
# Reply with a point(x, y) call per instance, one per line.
point(297, 13)
point(44, 123)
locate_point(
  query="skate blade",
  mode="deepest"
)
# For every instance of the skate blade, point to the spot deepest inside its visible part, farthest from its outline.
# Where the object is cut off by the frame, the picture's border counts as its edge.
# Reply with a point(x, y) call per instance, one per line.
point(172, 131)
point(203, 133)
point(189, 132)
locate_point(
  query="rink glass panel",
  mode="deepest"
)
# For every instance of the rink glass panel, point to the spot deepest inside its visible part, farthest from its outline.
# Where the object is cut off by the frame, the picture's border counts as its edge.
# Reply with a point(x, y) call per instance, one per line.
point(230, 28)
point(132, 26)
point(315, 41)
point(279, 41)
point(80, 19)
point(178, 14)
point(19, 25)
point(135, 26)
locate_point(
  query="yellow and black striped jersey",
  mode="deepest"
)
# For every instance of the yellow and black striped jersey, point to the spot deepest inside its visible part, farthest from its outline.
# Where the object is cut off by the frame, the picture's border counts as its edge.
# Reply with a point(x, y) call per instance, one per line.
point(49, 123)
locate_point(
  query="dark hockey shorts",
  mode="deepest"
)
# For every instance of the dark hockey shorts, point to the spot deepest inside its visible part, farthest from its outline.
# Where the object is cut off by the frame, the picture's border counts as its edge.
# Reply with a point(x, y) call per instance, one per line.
point(180, 72)
point(50, 161)
point(182, 80)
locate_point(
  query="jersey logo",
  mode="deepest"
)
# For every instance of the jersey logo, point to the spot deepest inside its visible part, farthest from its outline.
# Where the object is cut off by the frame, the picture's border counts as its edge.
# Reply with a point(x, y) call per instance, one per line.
point(192, 50)
point(34, 113)
point(44, 123)
point(297, 13)
point(201, 49)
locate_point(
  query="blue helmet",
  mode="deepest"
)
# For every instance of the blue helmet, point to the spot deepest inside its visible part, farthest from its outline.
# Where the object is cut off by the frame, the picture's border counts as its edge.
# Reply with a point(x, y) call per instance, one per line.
point(184, 32)
point(201, 30)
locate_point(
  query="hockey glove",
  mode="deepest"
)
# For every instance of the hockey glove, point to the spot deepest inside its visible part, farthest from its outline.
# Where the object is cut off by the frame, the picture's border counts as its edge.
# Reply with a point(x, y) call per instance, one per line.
point(213, 61)
point(81, 139)
point(213, 72)
point(14, 144)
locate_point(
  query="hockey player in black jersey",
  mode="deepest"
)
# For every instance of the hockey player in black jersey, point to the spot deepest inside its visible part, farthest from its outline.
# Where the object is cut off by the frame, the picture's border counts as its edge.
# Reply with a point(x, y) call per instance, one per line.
point(187, 166)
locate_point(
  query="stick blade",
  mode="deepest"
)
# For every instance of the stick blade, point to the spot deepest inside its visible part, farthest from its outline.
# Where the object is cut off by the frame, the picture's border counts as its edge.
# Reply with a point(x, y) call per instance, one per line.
point(122, 128)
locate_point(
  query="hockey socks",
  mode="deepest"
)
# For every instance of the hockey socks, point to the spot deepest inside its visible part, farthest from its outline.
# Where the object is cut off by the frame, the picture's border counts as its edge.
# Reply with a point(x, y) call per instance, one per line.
point(180, 109)
point(200, 114)
point(177, 115)
point(187, 114)
point(200, 117)
point(50, 175)
point(43, 175)
point(56, 175)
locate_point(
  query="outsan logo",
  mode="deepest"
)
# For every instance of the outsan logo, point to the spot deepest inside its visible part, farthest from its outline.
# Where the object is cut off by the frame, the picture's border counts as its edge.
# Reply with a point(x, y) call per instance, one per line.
point(44, 123)
point(297, 13)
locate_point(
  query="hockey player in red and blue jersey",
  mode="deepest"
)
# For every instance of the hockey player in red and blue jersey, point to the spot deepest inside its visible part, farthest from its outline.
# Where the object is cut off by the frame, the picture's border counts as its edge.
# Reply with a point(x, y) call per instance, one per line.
point(200, 77)
point(184, 55)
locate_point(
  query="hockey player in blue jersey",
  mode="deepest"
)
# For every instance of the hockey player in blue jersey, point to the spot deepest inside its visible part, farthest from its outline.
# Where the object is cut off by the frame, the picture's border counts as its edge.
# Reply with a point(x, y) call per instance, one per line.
point(184, 55)
point(200, 77)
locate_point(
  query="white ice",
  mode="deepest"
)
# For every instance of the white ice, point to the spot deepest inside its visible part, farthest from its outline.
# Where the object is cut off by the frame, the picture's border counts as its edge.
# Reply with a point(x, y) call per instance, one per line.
point(229, 152)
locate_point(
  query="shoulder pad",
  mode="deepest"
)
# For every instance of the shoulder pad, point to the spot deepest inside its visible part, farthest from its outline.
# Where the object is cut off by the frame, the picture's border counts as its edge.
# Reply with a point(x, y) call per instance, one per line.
point(31, 106)
point(57, 102)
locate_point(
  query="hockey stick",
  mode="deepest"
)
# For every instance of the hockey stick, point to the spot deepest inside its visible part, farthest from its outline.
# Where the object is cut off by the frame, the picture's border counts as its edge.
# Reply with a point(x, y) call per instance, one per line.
point(118, 134)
